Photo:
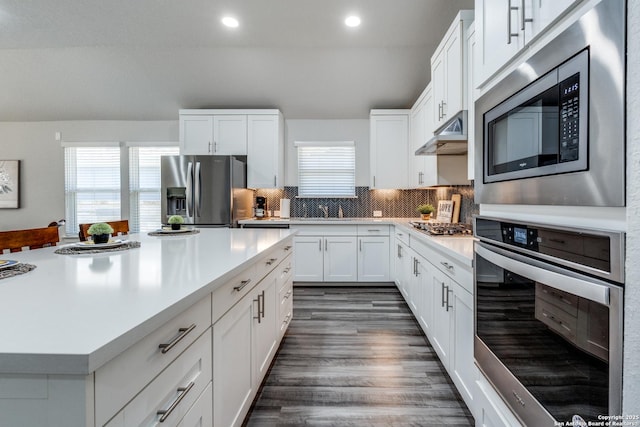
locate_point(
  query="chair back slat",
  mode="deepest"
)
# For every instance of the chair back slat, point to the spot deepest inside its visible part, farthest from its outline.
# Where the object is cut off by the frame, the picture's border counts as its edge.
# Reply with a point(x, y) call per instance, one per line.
point(119, 227)
point(33, 238)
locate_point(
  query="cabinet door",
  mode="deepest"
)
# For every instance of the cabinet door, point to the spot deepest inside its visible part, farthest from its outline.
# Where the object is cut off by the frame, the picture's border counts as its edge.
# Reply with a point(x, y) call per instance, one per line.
point(308, 258)
point(263, 151)
point(233, 365)
point(201, 413)
point(265, 323)
point(438, 85)
point(196, 134)
point(496, 45)
point(415, 291)
point(373, 259)
point(402, 266)
point(340, 259)
point(425, 306)
point(453, 75)
point(462, 368)
point(440, 337)
point(418, 138)
point(389, 151)
point(543, 13)
point(230, 134)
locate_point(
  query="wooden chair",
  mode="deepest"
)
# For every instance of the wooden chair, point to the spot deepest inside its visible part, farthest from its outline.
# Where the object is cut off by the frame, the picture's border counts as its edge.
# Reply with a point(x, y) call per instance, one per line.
point(119, 227)
point(33, 238)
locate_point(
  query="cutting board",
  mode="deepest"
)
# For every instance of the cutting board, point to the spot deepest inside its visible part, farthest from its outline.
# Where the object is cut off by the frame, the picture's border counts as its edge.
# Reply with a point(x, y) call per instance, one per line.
point(457, 201)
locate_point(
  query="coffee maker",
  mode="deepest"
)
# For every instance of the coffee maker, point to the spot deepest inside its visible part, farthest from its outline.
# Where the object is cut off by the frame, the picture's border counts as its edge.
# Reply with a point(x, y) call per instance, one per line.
point(261, 207)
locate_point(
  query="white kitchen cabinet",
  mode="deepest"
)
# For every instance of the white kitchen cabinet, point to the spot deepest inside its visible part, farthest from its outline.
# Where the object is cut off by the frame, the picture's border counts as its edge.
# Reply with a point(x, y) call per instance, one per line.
point(504, 27)
point(471, 96)
point(265, 151)
point(340, 259)
point(442, 312)
point(423, 167)
point(424, 304)
point(388, 149)
point(403, 263)
point(448, 71)
point(308, 258)
point(233, 372)
point(373, 259)
point(201, 413)
point(219, 134)
point(461, 366)
point(266, 318)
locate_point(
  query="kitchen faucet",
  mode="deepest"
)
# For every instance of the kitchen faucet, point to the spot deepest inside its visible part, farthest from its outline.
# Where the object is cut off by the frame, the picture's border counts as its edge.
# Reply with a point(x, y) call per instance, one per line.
point(325, 210)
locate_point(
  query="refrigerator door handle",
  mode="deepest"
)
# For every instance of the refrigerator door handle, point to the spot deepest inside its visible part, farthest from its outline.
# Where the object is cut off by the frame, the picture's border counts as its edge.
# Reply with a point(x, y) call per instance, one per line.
point(198, 189)
point(189, 189)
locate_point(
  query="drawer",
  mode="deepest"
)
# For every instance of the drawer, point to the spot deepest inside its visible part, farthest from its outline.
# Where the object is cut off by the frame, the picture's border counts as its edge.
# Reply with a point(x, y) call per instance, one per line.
point(268, 262)
point(120, 379)
point(373, 230)
point(402, 235)
point(326, 230)
point(285, 296)
point(201, 413)
point(173, 392)
point(227, 295)
point(285, 271)
point(556, 319)
point(448, 265)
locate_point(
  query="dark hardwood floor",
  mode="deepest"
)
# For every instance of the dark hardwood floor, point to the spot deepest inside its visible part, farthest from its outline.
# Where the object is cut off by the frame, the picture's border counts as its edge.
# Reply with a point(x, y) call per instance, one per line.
point(356, 357)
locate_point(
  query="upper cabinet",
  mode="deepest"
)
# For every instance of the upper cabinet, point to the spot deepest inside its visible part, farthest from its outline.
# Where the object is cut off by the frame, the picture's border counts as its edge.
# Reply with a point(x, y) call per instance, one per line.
point(265, 151)
point(258, 134)
point(471, 96)
point(504, 27)
point(389, 143)
point(448, 70)
point(421, 125)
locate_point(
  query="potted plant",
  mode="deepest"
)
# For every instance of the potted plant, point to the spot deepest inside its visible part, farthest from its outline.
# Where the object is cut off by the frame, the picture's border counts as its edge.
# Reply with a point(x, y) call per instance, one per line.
point(100, 232)
point(176, 222)
point(425, 211)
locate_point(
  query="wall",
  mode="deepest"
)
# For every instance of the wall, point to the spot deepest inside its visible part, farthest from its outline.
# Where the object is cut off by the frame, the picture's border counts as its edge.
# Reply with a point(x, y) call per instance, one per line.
point(631, 379)
point(42, 160)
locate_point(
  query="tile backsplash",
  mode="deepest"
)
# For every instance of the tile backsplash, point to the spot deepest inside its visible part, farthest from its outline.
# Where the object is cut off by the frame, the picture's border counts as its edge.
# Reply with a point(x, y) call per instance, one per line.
point(392, 203)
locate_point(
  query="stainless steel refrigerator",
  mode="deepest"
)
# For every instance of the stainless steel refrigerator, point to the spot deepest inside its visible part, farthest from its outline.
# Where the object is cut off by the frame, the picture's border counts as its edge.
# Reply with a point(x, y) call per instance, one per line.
point(208, 191)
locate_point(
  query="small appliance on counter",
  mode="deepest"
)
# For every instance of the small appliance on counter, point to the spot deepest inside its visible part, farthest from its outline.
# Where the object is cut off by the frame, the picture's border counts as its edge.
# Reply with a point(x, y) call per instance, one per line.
point(261, 207)
point(285, 208)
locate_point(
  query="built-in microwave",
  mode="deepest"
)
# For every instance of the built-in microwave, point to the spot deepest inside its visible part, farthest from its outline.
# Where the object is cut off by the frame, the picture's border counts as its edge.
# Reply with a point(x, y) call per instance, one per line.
point(552, 132)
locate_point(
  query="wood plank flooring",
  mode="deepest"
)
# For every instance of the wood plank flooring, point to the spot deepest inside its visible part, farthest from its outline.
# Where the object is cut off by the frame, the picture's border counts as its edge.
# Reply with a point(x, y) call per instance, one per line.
point(355, 356)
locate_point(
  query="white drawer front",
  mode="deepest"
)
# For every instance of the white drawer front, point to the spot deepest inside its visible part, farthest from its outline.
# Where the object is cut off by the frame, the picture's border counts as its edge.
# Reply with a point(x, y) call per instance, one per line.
point(201, 413)
point(373, 230)
point(118, 381)
point(174, 391)
point(402, 235)
point(227, 295)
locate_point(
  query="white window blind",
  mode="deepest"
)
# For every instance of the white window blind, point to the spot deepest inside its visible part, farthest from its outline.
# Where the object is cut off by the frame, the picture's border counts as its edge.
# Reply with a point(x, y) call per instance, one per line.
point(92, 185)
point(326, 169)
point(144, 186)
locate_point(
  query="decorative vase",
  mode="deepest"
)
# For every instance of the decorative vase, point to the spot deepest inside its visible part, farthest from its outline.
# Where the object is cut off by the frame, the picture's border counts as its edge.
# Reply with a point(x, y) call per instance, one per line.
point(426, 217)
point(176, 226)
point(100, 238)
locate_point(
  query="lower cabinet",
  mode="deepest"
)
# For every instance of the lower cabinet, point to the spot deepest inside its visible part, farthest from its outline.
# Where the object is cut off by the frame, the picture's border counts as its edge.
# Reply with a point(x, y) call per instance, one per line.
point(340, 259)
point(442, 313)
point(373, 259)
point(403, 263)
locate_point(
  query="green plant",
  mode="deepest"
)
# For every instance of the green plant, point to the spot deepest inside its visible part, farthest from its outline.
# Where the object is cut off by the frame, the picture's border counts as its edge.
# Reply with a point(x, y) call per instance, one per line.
point(425, 208)
point(176, 219)
point(100, 228)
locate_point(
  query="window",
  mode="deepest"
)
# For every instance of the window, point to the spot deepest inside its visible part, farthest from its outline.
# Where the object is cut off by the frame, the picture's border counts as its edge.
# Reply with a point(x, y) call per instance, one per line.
point(326, 169)
point(144, 186)
point(103, 182)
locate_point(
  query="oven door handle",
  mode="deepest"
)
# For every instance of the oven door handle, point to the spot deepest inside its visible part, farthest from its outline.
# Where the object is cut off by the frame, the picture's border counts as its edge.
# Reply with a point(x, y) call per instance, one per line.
point(535, 270)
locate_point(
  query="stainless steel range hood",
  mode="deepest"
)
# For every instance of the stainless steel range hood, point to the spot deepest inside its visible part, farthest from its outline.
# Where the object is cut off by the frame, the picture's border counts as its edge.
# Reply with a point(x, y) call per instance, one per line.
point(449, 139)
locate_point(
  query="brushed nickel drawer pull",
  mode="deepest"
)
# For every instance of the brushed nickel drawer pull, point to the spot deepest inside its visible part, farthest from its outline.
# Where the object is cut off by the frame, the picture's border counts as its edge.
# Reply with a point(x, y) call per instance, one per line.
point(271, 261)
point(183, 333)
point(447, 265)
point(241, 285)
point(183, 392)
point(286, 248)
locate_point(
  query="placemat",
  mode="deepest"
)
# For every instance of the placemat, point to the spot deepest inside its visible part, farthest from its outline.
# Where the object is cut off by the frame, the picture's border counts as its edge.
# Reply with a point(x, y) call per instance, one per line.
point(16, 270)
point(73, 250)
point(184, 233)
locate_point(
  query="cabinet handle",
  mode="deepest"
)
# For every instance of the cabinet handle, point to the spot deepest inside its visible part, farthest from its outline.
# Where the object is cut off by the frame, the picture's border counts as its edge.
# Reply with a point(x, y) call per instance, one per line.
point(448, 292)
point(275, 181)
point(444, 113)
point(215, 147)
point(183, 333)
point(360, 241)
point(288, 248)
point(524, 20)
point(443, 286)
point(209, 149)
point(417, 267)
point(447, 265)
point(286, 270)
point(241, 285)
point(420, 181)
point(288, 294)
point(439, 111)
point(509, 33)
point(271, 261)
point(399, 251)
point(261, 309)
point(326, 245)
point(374, 181)
point(320, 245)
point(183, 392)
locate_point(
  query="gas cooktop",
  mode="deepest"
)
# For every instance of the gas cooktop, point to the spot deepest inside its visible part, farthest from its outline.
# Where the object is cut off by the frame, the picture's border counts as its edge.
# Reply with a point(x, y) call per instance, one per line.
point(442, 228)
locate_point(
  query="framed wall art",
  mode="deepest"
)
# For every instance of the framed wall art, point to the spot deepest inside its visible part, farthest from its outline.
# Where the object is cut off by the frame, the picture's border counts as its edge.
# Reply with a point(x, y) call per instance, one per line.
point(10, 184)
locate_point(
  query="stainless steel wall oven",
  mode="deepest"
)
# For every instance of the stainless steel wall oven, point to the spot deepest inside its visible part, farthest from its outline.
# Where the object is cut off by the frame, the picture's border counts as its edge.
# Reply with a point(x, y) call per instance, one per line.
point(553, 131)
point(548, 318)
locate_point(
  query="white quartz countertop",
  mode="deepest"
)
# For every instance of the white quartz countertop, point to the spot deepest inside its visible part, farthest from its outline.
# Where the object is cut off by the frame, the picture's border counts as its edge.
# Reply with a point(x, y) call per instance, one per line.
point(73, 313)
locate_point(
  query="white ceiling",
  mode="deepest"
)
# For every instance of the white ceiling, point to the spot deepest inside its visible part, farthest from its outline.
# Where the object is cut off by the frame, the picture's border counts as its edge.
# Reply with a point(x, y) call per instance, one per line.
point(145, 59)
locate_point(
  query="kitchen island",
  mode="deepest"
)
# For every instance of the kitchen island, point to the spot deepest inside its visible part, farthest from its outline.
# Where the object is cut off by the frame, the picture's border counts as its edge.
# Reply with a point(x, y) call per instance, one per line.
point(74, 323)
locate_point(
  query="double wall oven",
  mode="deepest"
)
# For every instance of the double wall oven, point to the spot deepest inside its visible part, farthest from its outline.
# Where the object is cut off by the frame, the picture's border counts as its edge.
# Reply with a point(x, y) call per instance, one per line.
point(548, 298)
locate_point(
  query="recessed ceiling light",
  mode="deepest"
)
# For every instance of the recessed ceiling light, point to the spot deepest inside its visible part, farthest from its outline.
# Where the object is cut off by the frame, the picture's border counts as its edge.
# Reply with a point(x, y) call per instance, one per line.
point(230, 22)
point(352, 21)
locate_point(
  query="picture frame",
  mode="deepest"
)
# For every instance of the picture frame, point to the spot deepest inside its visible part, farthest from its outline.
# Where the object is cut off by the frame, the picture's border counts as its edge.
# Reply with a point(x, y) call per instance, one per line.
point(9, 184)
point(445, 211)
